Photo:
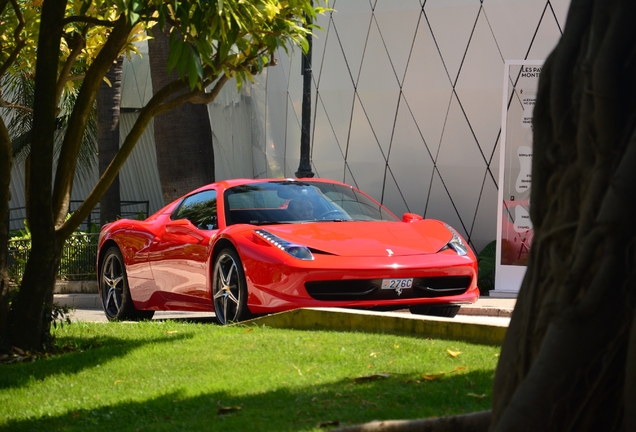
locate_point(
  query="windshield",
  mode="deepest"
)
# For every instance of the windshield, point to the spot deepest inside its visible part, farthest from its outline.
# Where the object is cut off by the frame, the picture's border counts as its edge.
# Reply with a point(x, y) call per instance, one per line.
point(293, 202)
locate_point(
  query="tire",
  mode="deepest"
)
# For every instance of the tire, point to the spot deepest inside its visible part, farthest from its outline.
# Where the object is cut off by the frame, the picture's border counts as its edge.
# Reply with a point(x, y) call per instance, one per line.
point(114, 290)
point(438, 311)
point(229, 289)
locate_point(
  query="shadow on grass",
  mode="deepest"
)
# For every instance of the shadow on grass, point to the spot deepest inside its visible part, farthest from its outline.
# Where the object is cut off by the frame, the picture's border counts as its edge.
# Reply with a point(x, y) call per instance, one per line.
point(316, 407)
point(89, 353)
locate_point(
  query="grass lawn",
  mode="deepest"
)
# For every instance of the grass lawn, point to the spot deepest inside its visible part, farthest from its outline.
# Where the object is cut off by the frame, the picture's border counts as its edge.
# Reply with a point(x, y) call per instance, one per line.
point(156, 376)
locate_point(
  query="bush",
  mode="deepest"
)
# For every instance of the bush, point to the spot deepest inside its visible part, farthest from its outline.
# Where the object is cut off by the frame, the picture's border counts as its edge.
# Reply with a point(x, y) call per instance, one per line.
point(486, 261)
point(78, 255)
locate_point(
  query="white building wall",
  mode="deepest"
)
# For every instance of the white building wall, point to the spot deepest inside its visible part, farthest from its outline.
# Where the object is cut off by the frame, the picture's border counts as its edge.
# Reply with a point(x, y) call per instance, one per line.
point(407, 101)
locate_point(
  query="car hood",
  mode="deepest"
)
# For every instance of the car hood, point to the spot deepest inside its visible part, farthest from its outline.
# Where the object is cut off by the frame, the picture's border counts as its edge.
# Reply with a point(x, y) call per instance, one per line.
point(367, 239)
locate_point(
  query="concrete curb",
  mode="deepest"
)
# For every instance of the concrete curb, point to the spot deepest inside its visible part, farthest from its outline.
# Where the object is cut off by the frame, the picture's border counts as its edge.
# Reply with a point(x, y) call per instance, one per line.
point(78, 301)
point(486, 311)
point(75, 287)
point(338, 319)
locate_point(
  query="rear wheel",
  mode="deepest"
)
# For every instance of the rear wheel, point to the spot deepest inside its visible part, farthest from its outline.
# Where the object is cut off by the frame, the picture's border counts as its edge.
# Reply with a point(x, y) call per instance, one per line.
point(114, 290)
point(439, 311)
point(229, 289)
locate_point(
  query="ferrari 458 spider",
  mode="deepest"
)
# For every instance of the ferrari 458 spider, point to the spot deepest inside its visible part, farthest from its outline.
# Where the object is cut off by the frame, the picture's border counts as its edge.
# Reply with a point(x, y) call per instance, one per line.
point(247, 247)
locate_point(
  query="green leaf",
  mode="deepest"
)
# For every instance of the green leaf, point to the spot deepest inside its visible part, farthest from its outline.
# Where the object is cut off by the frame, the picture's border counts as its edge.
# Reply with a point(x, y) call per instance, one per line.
point(184, 14)
point(242, 44)
point(182, 64)
point(205, 50)
point(214, 24)
point(84, 8)
point(162, 17)
point(192, 76)
point(195, 71)
point(176, 47)
point(134, 7)
point(133, 17)
point(239, 81)
point(223, 51)
point(197, 19)
point(304, 44)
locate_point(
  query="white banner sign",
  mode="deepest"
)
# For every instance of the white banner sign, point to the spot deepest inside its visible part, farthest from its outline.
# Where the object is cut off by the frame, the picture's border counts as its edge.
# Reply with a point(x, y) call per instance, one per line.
point(514, 227)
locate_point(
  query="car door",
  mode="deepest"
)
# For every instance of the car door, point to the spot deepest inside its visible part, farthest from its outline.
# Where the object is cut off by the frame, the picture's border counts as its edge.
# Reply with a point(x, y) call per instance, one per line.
point(179, 258)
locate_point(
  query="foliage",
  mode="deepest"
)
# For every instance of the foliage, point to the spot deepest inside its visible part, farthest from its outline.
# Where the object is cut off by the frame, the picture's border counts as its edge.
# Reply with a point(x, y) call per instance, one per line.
point(210, 42)
point(19, 245)
point(18, 25)
point(20, 89)
point(79, 255)
point(61, 315)
point(487, 265)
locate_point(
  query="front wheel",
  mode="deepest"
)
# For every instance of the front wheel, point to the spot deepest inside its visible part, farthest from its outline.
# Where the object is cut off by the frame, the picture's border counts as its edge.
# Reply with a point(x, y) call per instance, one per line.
point(229, 289)
point(114, 290)
point(438, 311)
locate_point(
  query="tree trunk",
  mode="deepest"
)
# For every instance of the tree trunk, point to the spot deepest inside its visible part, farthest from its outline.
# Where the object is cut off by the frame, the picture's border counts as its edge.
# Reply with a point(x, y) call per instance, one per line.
point(568, 362)
point(6, 161)
point(108, 109)
point(30, 318)
point(28, 312)
point(183, 136)
point(4, 277)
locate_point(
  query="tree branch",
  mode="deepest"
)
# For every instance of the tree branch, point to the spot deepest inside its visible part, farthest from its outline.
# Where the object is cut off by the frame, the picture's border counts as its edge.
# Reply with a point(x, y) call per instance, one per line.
point(88, 20)
point(19, 43)
point(77, 123)
point(79, 43)
point(5, 104)
point(206, 98)
point(194, 96)
point(145, 115)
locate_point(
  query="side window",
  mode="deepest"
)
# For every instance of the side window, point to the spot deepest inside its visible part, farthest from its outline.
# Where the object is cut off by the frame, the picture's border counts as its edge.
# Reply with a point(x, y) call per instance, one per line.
point(200, 209)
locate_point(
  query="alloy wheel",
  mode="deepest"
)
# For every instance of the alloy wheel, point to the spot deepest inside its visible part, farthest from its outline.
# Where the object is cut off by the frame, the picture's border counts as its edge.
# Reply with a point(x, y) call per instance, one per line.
point(112, 285)
point(227, 289)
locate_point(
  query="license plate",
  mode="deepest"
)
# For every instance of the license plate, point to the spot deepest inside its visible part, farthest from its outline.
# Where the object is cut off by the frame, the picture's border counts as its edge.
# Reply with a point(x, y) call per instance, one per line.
point(397, 283)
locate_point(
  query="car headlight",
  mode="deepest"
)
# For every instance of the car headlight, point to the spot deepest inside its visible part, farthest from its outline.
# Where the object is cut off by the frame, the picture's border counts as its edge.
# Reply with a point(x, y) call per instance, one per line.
point(456, 243)
point(295, 250)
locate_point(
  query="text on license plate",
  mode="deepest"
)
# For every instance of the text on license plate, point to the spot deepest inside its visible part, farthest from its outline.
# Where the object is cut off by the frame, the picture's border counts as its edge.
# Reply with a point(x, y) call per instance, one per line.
point(397, 283)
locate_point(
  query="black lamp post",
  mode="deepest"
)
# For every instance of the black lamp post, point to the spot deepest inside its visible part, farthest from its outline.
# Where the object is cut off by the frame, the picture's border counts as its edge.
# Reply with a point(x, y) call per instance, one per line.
point(304, 168)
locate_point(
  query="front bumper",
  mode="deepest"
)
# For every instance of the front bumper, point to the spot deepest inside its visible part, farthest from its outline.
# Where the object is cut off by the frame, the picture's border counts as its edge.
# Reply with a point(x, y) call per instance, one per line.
point(331, 281)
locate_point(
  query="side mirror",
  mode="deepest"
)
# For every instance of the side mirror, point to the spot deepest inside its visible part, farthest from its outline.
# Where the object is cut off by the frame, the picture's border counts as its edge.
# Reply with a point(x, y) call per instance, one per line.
point(411, 217)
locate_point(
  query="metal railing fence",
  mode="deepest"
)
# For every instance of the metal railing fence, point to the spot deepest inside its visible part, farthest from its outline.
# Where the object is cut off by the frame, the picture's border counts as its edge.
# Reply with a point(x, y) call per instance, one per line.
point(129, 209)
point(78, 261)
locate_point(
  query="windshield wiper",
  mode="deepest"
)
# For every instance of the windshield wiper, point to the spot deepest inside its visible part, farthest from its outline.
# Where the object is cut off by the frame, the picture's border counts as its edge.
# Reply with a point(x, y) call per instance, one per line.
point(271, 223)
point(333, 220)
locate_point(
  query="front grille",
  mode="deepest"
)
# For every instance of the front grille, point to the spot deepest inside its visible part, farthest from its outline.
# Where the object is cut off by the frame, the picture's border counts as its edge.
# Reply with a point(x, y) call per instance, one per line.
point(369, 289)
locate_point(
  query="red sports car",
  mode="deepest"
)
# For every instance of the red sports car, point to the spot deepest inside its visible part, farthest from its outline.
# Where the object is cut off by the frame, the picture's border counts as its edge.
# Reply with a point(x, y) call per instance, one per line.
point(247, 247)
